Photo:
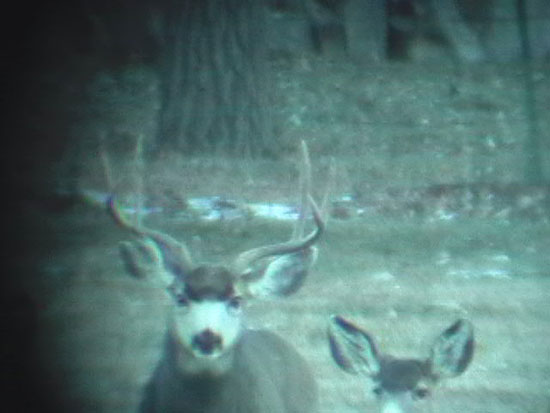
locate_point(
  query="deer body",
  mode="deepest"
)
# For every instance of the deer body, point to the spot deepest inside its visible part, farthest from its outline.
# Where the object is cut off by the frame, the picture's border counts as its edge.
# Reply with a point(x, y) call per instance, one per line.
point(266, 375)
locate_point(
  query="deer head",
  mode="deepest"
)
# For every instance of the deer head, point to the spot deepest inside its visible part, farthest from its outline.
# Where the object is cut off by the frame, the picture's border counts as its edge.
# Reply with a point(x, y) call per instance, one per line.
point(399, 384)
point(205, 320)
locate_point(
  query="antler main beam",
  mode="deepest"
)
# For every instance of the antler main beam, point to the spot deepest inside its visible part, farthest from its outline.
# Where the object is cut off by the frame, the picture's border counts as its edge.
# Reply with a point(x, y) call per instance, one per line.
point(246, 258)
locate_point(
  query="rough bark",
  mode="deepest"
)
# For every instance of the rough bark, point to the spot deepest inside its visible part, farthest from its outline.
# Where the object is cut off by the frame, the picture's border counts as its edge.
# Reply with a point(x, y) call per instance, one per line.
point(214, 81)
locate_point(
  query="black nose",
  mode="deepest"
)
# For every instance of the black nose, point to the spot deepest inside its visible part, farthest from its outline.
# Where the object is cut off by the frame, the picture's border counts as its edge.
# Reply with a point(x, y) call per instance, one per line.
point(207, 341)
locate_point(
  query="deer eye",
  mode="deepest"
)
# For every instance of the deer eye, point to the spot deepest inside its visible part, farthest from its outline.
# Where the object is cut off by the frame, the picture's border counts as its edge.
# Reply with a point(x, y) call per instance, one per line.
point(235, 302)
point(378, 391)
point(182, 300)
point(420, 393)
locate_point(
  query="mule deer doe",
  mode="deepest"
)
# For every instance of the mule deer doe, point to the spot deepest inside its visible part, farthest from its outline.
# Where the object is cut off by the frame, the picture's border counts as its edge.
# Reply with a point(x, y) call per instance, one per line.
point(399, 383)
point(211, 362)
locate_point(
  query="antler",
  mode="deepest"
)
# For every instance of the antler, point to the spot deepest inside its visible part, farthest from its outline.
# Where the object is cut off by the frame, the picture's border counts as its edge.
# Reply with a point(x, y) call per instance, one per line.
point(177, 258)
point(175, 254)
point(297, 242)
point(247, 258)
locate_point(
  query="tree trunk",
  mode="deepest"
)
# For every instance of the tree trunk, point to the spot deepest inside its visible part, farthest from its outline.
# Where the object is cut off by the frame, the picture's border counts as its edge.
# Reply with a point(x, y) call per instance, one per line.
point(215, 85)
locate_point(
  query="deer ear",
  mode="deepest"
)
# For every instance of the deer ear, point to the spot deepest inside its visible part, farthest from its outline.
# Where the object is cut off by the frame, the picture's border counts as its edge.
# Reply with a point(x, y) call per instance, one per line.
point(352, 348)
point(157, 257)
point(142, 259)
point(453, 350)
point(175, 257)
point(281, 276)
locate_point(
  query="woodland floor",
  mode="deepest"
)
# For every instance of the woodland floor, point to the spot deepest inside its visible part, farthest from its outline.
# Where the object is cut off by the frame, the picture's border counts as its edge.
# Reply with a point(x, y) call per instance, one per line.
point(98, 332)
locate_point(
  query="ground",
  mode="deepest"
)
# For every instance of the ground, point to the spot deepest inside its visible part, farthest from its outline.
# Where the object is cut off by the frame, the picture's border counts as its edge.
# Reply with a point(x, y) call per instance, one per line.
point(402, 276)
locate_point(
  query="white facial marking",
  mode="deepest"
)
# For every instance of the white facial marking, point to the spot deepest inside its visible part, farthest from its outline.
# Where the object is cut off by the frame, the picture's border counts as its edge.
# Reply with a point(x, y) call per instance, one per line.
point(391, 406)
point(401, 402)
point(217, 317)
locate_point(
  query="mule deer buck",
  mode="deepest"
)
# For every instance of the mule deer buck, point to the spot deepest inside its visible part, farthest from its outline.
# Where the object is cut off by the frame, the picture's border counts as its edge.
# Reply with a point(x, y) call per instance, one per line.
point(400, 384)
point(211, 362)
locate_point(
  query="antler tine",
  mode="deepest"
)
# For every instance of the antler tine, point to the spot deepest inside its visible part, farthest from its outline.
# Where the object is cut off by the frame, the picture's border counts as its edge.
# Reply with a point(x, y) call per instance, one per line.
point(175, 253)
point(325, 204)
point(246, 258)
point(305, 190)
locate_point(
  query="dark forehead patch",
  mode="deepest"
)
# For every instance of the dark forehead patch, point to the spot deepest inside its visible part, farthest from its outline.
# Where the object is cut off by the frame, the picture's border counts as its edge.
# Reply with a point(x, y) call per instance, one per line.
point(214, 282)
point(400, 375)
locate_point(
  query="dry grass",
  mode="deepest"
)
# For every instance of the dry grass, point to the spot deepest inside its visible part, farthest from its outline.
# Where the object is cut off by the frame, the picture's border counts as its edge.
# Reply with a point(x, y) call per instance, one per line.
point(99, 331)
